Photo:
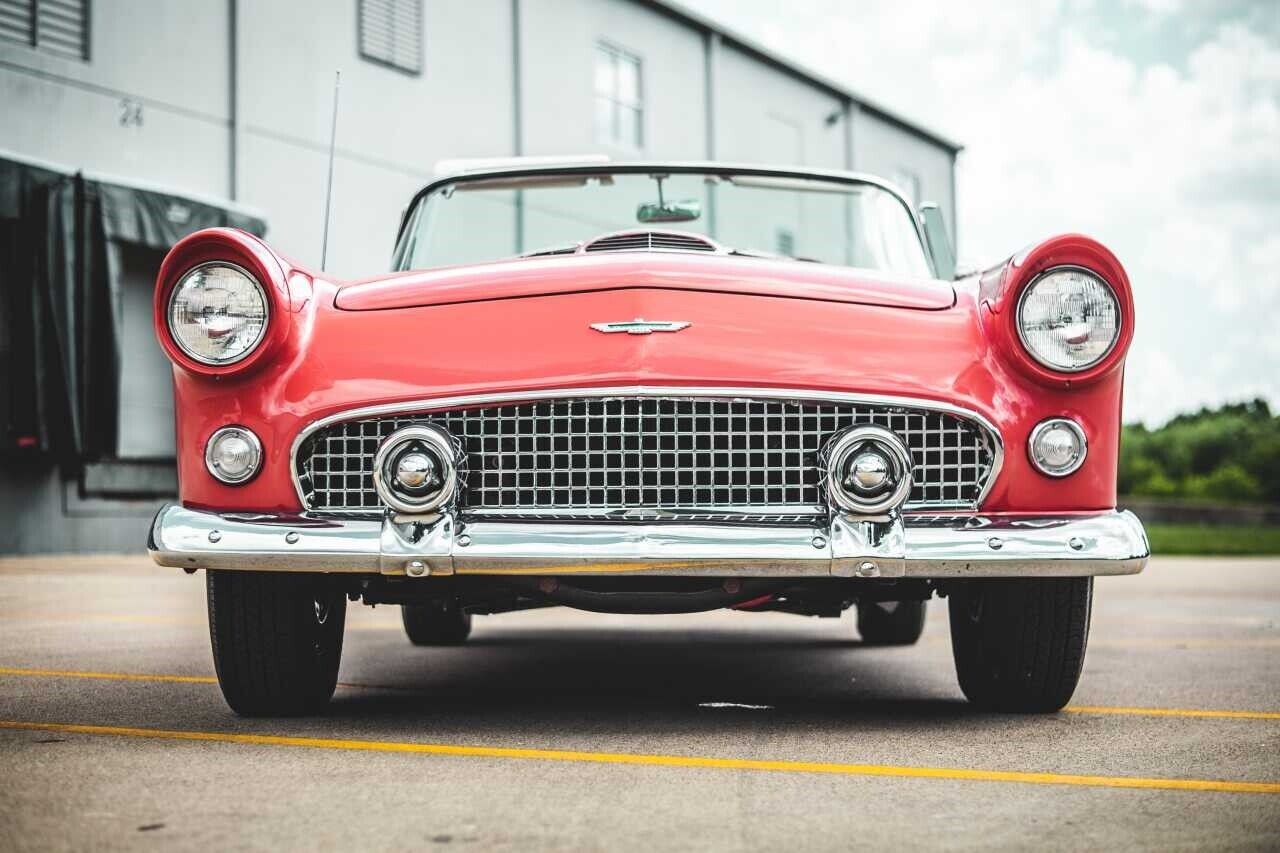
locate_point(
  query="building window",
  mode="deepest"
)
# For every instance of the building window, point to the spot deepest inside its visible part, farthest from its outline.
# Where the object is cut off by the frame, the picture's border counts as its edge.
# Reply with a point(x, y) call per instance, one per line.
point(60, 27)
point(391, 33)
point(785, 243)
point(907, 181)
point(619, 100)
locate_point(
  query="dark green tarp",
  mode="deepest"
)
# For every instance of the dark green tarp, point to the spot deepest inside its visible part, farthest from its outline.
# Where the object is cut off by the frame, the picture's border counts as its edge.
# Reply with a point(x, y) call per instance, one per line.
point(60, 299)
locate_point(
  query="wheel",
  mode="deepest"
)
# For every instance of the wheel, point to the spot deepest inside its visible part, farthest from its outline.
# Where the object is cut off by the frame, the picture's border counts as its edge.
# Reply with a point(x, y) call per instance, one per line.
point(890, 623)
point(440, 623)
point(1019, 643)
point(277, 640)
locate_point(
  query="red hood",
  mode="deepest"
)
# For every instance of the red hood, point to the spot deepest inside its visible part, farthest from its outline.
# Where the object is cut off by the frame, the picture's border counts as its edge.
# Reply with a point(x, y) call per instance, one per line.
point(581, 274)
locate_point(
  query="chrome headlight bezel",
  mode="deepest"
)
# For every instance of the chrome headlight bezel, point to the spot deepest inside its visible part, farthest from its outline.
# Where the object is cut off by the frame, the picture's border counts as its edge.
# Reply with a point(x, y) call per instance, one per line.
point(1042, 360)
point(185, 347)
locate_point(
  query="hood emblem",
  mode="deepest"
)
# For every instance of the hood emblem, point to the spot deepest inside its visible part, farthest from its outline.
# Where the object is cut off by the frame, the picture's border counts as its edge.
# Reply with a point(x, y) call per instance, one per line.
point(640, 326)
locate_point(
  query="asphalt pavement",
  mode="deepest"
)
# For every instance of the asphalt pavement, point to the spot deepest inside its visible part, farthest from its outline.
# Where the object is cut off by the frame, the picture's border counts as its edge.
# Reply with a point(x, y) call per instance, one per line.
point(560, 730)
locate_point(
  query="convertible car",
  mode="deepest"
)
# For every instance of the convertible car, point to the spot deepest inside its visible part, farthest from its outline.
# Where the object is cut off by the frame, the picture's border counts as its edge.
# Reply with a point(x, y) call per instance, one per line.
point(649, 388)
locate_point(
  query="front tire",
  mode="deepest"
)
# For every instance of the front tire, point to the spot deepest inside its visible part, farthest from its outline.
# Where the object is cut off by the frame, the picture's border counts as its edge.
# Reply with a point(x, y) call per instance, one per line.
point(1019, 643)
point(277, 640)
point(890, 623)
point(440, 623)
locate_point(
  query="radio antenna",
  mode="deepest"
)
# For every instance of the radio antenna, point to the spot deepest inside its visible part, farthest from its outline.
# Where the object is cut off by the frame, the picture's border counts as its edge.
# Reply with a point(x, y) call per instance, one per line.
point(328, 191)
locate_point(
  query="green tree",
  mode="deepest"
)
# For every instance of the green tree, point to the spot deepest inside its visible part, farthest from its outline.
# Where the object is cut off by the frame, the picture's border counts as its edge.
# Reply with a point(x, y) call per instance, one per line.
point(1231, 453)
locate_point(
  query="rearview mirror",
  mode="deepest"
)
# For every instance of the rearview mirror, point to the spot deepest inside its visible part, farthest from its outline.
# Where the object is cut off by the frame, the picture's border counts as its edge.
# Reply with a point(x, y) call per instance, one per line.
point(669, 211)
point(935, 234)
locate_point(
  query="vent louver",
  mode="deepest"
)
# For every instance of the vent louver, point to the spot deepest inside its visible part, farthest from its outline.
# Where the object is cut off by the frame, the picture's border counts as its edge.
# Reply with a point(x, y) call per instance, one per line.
point(651, 241)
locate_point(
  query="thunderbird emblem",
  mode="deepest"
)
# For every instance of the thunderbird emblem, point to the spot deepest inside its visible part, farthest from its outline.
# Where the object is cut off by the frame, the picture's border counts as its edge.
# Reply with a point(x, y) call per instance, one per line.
point(640, 326)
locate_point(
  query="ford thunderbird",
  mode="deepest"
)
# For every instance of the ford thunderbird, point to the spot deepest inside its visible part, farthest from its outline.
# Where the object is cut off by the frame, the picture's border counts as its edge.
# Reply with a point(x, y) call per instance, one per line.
point(649, 388)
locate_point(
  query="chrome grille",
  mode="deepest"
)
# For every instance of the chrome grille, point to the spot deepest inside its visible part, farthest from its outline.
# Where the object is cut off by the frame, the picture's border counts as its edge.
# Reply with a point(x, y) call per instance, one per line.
point(634, 241)
point(574, 455)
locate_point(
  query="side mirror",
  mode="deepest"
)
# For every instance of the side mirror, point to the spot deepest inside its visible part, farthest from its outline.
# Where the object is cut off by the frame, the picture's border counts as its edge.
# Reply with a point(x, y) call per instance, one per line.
point(935, 234)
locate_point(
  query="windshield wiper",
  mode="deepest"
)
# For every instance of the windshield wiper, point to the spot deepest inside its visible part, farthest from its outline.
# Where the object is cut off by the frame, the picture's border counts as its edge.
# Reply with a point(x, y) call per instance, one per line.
point(770, 256)
point(564, 249)
point(755, 253)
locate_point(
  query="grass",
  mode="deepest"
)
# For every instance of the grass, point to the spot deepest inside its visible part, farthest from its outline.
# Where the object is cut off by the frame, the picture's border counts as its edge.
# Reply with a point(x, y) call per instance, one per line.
point(1219, 540)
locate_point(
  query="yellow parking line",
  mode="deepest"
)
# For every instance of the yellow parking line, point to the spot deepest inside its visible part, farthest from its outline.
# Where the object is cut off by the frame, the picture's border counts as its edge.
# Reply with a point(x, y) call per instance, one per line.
point(108, 676)
point(126, 618)
point(1174, 712)
point(1207, 713)
point(131, 676)
point(156, 619)
point(681, 761)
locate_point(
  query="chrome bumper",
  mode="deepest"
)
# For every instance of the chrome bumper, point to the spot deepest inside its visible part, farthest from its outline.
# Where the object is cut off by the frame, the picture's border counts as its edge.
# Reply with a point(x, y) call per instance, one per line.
point(1110, 543)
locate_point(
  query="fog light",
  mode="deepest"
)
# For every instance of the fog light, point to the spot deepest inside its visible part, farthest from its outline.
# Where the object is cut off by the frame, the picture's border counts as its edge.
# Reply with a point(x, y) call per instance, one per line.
point(415, 469)
point(1058, 447)
point(233, 455)
point(868, 470)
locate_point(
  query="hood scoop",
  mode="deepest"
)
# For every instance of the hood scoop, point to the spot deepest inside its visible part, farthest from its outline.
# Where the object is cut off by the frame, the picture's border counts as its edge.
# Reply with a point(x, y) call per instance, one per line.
point(651, 241)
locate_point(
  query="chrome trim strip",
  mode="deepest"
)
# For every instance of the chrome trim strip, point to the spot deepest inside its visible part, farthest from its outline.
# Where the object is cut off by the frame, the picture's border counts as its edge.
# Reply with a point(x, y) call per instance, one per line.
point(1108, 543)
point(676, 512)
point(721, 393)
point(640, 326)
point(765, 512)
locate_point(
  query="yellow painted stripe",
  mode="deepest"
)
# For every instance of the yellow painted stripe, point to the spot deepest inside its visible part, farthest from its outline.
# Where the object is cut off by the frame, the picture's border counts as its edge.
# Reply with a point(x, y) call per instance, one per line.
point(178, 679)
point(129, 618)
point(108, 676)
point(1207, 713)
point(1174, 712)
point(681, 761)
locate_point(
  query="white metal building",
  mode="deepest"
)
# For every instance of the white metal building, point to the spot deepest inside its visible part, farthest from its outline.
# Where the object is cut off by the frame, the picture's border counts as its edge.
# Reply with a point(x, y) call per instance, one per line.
point(232, 99)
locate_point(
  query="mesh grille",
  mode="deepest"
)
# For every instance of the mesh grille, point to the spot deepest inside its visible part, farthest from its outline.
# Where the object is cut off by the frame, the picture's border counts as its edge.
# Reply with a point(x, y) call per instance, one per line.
point(569, 455)
point(644, 240)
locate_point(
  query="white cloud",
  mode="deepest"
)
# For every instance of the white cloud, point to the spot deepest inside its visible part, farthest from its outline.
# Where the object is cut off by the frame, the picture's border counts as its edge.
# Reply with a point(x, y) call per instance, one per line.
point(1169, 154)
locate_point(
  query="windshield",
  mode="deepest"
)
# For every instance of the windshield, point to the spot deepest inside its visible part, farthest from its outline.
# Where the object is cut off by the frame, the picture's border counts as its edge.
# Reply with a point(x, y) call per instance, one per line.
point(849, 223)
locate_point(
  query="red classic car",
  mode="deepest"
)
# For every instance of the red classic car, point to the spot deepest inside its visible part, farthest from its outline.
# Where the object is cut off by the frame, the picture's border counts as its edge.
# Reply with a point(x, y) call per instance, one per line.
point(649, 388)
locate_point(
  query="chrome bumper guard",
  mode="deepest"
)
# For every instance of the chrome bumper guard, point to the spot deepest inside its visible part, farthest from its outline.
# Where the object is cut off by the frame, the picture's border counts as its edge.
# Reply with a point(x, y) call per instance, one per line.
point(1109, 543)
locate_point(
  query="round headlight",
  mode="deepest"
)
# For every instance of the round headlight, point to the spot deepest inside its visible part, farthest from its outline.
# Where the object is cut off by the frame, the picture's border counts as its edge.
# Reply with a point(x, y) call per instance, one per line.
point(1058, 447)
point(218, 313)
point(1068, 319)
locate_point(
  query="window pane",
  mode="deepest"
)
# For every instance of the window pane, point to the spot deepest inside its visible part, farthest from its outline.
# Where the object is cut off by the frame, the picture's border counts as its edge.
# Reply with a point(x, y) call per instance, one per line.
point(604, 120)
point(628, 91)
point(628, 126)
point(786, 243)
point(605, 75)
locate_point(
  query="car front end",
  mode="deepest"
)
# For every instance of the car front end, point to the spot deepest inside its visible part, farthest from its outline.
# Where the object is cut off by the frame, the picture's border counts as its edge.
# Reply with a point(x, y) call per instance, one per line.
point(648, 421)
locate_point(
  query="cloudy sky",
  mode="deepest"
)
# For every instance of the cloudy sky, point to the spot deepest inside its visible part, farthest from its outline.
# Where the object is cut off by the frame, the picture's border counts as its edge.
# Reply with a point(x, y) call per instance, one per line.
point(1153, 125)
